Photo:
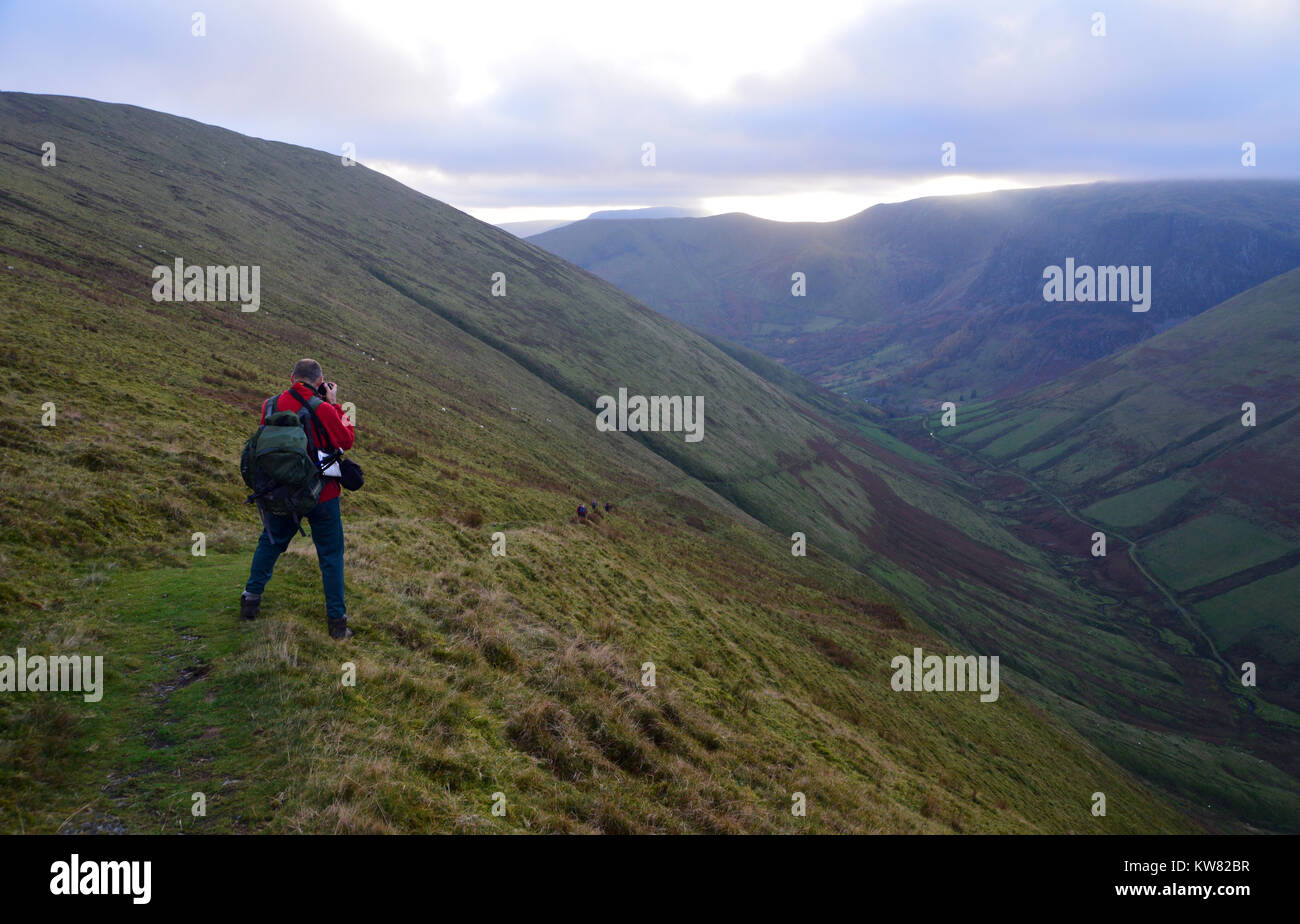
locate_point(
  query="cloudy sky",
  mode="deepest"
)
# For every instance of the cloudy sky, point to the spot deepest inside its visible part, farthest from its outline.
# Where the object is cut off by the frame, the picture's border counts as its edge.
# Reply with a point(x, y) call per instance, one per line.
point(805, 110)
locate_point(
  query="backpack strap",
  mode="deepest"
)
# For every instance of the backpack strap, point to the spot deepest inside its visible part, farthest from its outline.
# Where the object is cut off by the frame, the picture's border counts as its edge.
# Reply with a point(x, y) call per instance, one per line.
point(310, 406)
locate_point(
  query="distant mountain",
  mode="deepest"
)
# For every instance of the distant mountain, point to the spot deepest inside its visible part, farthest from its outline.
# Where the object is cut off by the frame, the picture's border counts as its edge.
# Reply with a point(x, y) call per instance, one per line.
point(914, 303)
point(658, 211)
point(530, 228)
point(527, 228)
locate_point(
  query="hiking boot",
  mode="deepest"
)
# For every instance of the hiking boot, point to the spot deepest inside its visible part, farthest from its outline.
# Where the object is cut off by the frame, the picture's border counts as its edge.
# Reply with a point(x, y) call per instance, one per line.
point(249, 605)
point(339, 629)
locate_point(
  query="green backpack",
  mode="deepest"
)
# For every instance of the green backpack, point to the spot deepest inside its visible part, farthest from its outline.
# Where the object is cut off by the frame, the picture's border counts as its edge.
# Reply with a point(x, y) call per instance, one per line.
point(279, 462)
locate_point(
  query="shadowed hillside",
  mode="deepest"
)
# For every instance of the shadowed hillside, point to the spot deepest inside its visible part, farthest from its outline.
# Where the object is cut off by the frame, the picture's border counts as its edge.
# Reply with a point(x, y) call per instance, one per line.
point(938, 299)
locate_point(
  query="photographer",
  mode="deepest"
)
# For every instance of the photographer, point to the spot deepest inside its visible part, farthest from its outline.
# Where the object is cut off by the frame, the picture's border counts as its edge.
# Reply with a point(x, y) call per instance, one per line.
point(331, 431)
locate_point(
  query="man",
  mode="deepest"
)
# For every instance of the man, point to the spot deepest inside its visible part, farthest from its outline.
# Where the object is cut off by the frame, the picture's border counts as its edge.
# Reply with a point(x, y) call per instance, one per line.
point(331, 431)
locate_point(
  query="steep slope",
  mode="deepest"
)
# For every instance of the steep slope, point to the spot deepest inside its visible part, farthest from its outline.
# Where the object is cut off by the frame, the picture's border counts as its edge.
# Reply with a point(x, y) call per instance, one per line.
point(481, 680)
point(1154, 445)
point(942, 298)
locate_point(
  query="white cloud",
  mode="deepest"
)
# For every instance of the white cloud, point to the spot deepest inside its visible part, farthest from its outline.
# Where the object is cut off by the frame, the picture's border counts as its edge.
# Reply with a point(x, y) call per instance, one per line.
point(810, 110)
point(698, 49)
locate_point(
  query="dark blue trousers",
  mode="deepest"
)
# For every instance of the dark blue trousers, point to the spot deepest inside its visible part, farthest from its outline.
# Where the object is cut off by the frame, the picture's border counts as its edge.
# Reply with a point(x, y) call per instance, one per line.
point(326, 533)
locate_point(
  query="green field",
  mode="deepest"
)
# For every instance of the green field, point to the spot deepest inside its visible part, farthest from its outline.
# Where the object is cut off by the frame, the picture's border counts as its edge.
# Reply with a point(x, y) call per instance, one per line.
point(1267, 604)
point(1141, 505)
point(1028, 431)
point(1211, 547)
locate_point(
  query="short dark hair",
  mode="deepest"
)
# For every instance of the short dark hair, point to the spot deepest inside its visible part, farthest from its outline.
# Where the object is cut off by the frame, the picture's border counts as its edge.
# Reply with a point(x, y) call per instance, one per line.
point(307, 370)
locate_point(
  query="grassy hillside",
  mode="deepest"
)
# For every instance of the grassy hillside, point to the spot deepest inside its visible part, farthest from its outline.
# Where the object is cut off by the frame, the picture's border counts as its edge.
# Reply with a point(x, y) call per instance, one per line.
point(993, 560)
point(476, 675)
point(940, 299)
point(1150, 444)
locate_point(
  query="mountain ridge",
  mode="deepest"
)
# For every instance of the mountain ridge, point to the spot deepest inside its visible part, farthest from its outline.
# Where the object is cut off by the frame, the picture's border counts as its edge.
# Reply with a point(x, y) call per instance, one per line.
point(909, 304)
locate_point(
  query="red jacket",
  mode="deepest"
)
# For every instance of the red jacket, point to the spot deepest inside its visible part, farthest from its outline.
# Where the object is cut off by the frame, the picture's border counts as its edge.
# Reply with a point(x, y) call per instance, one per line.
point(338, 432)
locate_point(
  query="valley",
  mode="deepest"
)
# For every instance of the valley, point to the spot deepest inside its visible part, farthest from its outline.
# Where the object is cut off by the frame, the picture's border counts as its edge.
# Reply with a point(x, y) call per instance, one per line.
point(521, 673)
point(475, 674)
point(942, 298)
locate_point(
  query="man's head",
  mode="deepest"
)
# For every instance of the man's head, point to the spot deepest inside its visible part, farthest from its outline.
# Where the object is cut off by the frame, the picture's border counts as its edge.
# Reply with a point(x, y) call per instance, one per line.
point(308, 372)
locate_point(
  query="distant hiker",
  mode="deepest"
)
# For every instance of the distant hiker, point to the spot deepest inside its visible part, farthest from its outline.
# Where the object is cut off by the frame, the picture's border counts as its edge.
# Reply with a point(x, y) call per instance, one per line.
point(608, 505)
point(582, 511)
point(293, 490)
